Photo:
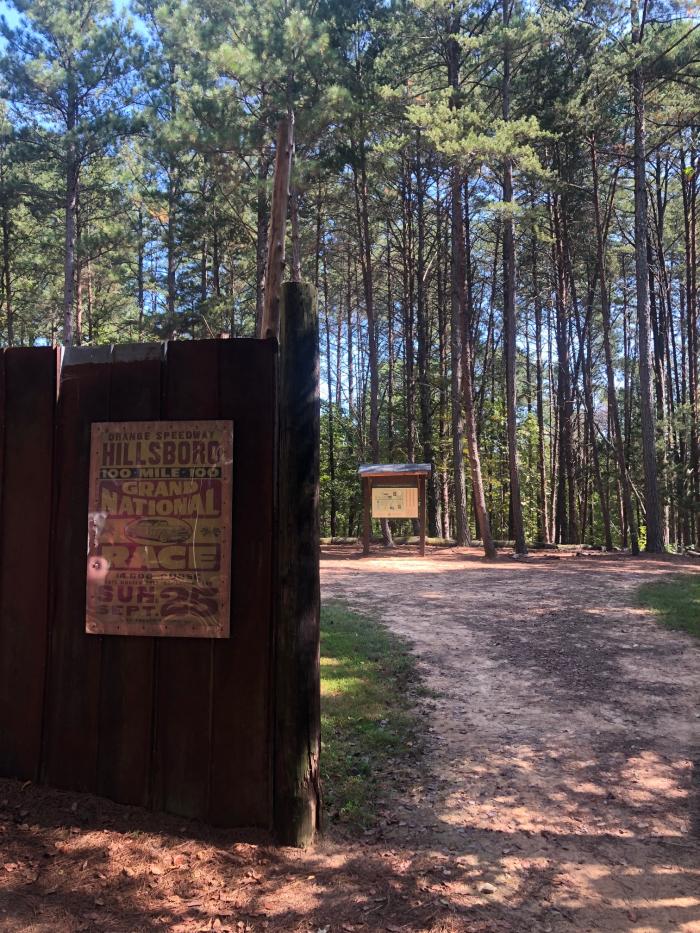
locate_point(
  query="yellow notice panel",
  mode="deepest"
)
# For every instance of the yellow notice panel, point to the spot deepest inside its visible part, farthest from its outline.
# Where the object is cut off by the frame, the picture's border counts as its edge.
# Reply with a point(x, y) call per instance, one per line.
point(394, 502)
point(159, 528)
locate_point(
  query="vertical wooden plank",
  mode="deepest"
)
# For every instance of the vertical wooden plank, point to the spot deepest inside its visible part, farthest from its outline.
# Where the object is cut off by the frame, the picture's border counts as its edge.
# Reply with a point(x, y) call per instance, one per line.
point(126, 683)
point(241, 760)
point(2, 448)
point(2, 442)
point(2, 430)
point(421, 499)
point(184, 665)
point(71, 713)
point(297, 625)
point(366, 513)
point(30, 393)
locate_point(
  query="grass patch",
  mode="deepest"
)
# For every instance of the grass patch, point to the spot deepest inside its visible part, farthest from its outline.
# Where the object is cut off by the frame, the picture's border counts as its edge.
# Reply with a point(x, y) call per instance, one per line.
point(369, 719)
point(676, 602)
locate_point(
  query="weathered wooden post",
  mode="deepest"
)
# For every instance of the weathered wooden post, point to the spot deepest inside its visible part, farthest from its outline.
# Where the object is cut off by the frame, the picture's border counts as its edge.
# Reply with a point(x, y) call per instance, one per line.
point(297, 792)
point(269, 324)
point(366, 514)
point(421, 496)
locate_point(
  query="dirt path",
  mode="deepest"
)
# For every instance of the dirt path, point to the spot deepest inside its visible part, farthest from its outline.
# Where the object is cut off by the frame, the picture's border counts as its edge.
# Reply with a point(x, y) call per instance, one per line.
point(564, 780)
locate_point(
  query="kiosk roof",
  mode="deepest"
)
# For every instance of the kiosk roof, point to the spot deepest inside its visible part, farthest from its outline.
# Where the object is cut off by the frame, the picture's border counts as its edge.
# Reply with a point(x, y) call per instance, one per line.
point(394, 469)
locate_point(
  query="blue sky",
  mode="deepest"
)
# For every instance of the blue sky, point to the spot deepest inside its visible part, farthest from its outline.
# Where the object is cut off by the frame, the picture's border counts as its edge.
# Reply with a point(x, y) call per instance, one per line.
point(8, 12)
point(11, 15)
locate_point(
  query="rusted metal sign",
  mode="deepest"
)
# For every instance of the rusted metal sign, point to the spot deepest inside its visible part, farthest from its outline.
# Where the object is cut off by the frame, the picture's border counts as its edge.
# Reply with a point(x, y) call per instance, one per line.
point(159, 528)
point(394, 502)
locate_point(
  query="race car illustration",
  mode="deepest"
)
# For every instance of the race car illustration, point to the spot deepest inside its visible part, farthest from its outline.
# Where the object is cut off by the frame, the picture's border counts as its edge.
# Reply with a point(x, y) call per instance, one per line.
point(159, 531)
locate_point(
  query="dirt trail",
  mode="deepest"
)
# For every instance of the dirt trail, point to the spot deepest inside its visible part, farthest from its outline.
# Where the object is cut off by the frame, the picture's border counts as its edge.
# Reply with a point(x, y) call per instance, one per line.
point(565, 771)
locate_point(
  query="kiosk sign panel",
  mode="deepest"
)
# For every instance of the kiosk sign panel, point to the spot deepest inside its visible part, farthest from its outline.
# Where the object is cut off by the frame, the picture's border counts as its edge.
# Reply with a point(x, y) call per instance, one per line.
point(394, 502)
point(159, 528)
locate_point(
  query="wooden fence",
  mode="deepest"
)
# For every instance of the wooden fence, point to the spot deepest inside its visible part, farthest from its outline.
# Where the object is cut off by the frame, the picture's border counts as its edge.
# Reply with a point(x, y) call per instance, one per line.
point(225, 730)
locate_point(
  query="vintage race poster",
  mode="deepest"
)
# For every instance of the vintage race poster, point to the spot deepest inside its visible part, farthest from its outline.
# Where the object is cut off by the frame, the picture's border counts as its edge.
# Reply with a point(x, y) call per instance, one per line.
point(159, 528)
point(394, 502)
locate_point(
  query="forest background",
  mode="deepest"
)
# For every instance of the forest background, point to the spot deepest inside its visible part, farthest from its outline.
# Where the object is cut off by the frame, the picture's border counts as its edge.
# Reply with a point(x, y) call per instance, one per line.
point(496, 201)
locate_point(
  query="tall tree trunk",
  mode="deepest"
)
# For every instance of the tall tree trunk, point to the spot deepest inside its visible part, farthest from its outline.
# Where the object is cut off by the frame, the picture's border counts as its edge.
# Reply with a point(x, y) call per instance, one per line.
point(553, 430)
point(462, 314)
point(689, 190)
point(262, 220)
point(423, 348)
point(565, 521)
point(204, 271)
point(362, 208)
point(295, 272)
point(543, 520)
point(461, 357)
point(71, 207)
point(509, 310)
point(655, 540)
point(171, 248)
point(408, 328)
point(460, 498)
point(216, 257)
point(390, 345)
point(90, 305)
point(333, 508)
point(140, 277)
point(78, 331)
point(613, 408)
point(592, 445)
point(442, 364)
point(7, 275)
point(575, 420)
point(338, 357)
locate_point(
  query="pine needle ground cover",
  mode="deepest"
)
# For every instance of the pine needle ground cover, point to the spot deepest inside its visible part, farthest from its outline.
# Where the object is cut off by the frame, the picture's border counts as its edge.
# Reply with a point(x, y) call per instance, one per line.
point(676, 602)
point(370, 724)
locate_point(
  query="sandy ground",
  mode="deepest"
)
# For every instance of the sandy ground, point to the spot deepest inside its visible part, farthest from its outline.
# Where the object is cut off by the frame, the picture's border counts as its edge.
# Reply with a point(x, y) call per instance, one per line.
point(561, 789)
point(565, 769)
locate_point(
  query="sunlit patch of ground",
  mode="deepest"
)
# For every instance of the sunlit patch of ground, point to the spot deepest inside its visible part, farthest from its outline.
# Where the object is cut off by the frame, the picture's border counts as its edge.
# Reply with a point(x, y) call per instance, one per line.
point(563, 775)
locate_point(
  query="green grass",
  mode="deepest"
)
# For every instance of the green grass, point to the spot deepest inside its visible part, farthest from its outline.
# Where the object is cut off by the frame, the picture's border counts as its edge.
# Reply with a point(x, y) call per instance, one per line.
point(676, 602)
point(369, 720)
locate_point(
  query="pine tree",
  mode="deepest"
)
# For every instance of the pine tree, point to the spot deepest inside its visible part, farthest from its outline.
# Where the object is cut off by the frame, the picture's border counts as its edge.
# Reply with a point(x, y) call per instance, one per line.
point(70, 90)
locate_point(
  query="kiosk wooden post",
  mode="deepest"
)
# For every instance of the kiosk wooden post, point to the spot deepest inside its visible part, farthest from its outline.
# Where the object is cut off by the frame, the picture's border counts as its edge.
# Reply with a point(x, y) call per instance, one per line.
point(366, 513)
point(393, 491)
